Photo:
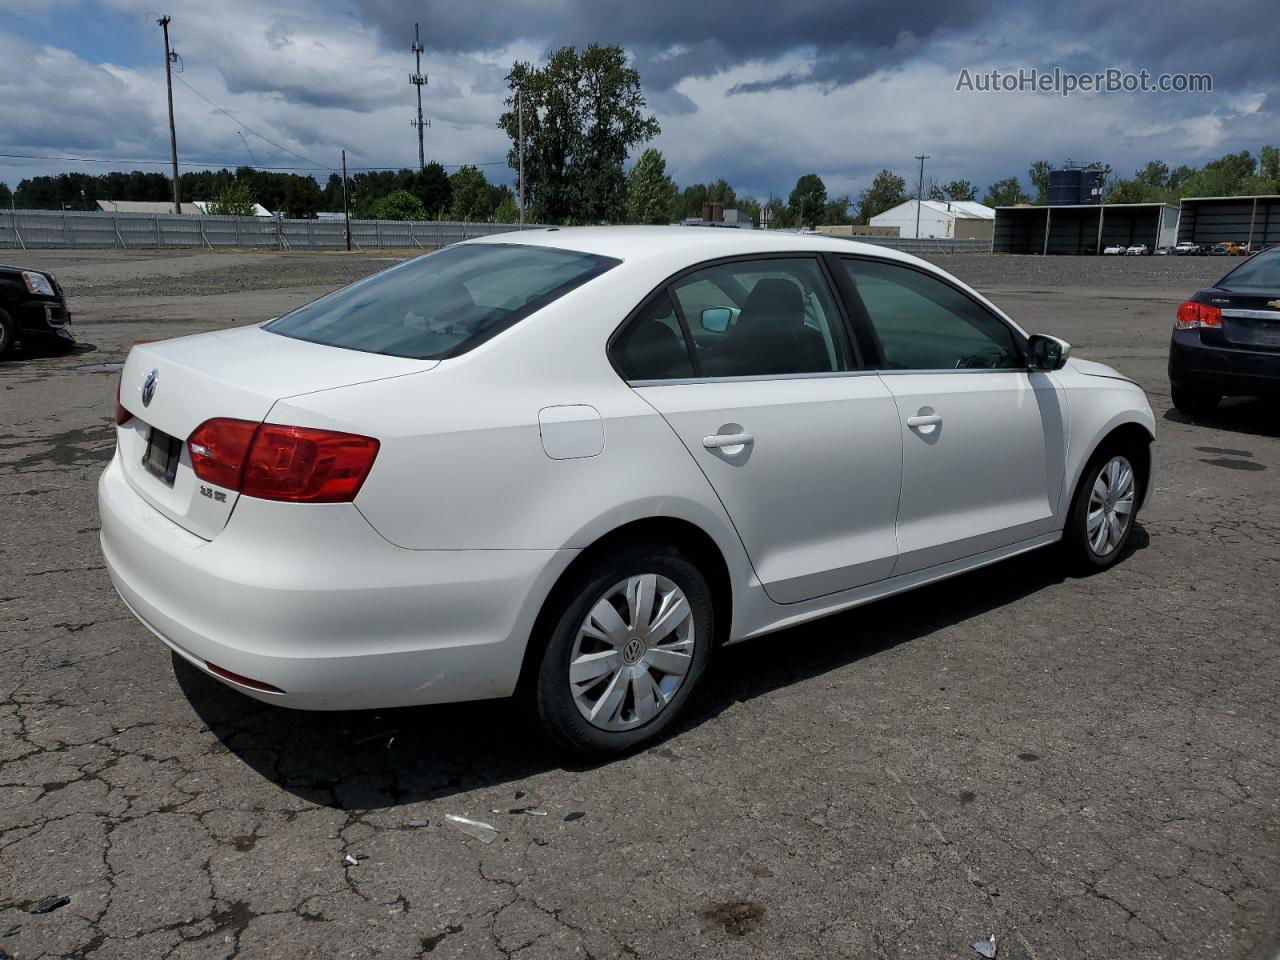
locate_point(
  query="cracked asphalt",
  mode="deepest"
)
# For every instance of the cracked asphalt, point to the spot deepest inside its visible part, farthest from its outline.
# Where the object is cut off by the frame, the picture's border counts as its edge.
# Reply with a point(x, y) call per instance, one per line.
point(1085, 767)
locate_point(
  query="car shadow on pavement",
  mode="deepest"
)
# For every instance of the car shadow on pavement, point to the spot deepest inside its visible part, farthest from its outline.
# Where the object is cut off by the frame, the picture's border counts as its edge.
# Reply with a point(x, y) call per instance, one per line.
point(1250, 415)
point(377, 759)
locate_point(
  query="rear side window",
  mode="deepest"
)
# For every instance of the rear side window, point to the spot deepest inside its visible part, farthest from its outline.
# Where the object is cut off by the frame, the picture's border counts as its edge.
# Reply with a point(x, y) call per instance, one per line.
point(1257, 273)
point(443, 304)
point(925, 324)
point(652, 346)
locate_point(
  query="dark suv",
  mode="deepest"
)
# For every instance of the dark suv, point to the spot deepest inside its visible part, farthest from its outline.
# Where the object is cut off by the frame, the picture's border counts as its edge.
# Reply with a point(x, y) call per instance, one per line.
point(1226, 339)
point(31, 307)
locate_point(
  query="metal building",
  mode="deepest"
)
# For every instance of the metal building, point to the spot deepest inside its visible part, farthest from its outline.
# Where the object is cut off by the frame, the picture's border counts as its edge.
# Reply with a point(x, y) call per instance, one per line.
point(1251, 221)
point(1084, 228)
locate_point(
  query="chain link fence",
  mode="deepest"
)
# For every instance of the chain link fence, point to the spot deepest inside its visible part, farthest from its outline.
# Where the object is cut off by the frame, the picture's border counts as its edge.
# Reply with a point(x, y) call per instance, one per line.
point(25, 229)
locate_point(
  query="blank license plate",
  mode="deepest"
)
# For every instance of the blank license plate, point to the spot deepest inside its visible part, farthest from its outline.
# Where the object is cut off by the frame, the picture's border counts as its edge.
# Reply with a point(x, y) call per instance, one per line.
point(161, 458)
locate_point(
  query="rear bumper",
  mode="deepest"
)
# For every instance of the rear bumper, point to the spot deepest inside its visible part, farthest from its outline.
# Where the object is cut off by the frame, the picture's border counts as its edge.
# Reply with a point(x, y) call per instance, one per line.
point(310, 599)
point(1231, 372)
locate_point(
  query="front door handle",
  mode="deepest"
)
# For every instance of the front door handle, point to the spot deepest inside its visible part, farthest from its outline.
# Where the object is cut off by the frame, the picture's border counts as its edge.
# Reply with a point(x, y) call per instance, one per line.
point(925, 420)
point(720, 440)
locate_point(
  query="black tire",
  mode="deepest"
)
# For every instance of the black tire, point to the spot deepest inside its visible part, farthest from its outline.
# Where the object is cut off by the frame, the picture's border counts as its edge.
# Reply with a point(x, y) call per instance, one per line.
point(8, 334)
point(1193, 402)
point(1081, 556)
point(553, 696)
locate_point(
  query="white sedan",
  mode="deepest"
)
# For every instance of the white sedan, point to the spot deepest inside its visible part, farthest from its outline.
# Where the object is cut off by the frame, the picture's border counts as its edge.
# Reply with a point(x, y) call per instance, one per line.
point(572, 463)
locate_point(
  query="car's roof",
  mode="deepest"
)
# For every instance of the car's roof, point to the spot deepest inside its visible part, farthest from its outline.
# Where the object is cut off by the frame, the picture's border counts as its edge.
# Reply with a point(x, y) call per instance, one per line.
point(639, 243)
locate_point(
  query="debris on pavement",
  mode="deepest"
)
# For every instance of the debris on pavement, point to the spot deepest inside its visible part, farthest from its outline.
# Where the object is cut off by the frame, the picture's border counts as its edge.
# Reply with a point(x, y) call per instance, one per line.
point(376, 736)
point(415, 824)
point(540, 841)
point(484, 832)
point(519, 794)
point(351, 861)
point(576, 815)
point(986, 947)
point(50, 904)
point(531, 811)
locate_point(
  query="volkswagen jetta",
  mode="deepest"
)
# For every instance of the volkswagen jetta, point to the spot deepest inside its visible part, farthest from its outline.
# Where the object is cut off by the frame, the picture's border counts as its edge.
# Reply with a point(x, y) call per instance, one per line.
point(573, 463)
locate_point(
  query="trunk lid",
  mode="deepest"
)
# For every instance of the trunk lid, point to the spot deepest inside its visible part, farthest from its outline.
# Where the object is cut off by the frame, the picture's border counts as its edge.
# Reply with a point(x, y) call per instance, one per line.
point(237, 373)
point(1249, 320)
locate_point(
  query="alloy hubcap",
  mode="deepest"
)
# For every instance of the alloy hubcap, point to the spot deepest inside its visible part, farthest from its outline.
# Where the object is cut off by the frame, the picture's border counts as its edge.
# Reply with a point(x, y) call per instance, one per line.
point(1110, 506)
point(632, 652)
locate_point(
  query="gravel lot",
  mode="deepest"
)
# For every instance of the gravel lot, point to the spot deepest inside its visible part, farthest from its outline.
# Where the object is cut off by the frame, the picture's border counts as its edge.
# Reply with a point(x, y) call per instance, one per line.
point(1085, 767)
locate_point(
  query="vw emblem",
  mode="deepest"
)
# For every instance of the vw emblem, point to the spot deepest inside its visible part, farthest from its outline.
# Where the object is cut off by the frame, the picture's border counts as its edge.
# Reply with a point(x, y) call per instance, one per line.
point(149, 387)
point(633, 651)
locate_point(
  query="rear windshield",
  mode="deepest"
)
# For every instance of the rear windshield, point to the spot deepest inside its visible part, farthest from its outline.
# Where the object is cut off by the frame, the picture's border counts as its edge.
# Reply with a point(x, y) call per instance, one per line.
point(443, 304)
point(1258, 272)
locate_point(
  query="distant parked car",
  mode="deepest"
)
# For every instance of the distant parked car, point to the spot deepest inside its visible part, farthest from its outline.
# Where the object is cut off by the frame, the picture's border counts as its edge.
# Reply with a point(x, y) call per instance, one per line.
point(1226, 339)
point(1187, 249)
point(31, 308)
point(1228, 249)
point(1164, 251)
point(1114, 250)
point(1136, 250)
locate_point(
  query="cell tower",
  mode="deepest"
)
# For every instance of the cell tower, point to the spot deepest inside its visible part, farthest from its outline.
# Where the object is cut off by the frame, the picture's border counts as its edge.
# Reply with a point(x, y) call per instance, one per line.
point(419, 80)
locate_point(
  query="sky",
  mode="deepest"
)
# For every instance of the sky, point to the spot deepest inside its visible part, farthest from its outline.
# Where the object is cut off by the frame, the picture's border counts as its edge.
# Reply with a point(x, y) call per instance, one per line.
point(758, 92)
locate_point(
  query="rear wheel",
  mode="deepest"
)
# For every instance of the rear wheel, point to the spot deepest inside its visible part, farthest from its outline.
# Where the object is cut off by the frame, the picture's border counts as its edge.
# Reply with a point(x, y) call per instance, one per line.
point(1102, 512)
point(8, 334)
point(1195, 402)
point(630, 642)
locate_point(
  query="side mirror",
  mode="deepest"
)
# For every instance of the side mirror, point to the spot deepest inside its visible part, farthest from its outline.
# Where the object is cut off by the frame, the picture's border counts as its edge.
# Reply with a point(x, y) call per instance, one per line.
point(716, 319)
point(1047, 353)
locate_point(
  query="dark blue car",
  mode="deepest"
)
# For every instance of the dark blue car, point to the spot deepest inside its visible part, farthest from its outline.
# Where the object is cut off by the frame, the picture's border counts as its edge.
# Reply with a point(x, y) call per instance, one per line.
point(1226, 339)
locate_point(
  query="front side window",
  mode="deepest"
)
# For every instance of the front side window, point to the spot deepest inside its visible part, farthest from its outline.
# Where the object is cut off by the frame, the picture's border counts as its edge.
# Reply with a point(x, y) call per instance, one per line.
point(764, 317)
point(443, 304)
point(925, 324)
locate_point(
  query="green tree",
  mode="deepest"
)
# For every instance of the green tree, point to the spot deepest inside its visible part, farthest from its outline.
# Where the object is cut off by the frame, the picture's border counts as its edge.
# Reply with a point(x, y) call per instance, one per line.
point(836, 211)
point(807, 200)
point(6, 196)
point(399, 205)
point(1039, 176)
point(301, 199)
point(1006, 193)
point(431, 186)
point(959, 190)
point(650, 191)
point(470, 192)
point(507, 211)
point(887, 190)
point(582, 115)
point(235, 199)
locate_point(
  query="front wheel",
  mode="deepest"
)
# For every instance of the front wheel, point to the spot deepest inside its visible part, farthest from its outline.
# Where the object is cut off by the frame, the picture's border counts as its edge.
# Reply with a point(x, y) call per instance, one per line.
point(631, 640)
point(1102, 512)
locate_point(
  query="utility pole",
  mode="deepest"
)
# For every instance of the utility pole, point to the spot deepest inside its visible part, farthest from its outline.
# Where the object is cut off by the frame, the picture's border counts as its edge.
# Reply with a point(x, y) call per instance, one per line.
point(169, 59)
point(419, 80)
point(520, 147)
point(346, 207)
point(920, 192)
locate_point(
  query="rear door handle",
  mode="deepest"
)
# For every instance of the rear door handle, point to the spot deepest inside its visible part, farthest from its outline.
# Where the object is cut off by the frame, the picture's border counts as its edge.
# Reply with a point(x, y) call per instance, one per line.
point(928, 420)
point(727, 440)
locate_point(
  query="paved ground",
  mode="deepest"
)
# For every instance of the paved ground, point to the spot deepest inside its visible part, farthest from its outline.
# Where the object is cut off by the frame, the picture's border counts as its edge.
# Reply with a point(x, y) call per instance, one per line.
point(1085, 767)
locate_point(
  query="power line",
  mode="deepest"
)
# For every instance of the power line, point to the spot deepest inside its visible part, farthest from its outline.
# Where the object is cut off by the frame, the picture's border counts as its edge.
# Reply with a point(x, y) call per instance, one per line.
point(224, 163)
point(241, 123)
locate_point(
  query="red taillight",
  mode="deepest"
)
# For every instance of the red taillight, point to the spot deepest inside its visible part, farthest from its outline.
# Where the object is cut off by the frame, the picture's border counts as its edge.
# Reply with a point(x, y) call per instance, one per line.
point(307, 466)
point(241, 679)
point(275, 462)
point(218, 450)
point(1192, 316)
point(120, 415)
